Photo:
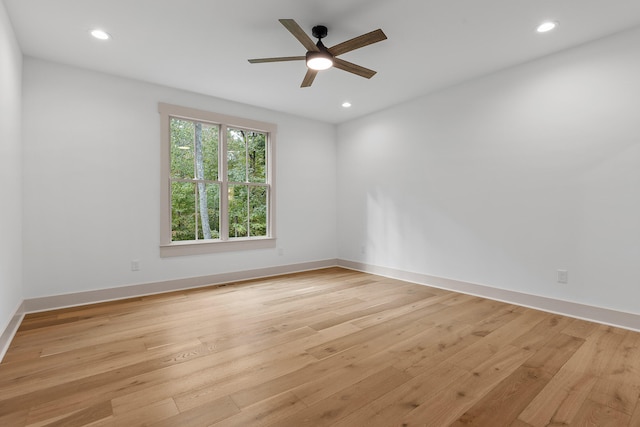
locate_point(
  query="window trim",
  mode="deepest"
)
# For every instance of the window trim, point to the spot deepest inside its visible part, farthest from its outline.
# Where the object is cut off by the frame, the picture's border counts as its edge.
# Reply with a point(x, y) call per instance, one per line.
point(169, 248)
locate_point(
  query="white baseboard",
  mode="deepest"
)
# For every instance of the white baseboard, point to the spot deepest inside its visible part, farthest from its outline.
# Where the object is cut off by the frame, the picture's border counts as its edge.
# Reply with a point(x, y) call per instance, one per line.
point(34, 305)
point(567, 308)
point(581, 311)
point(9, 332)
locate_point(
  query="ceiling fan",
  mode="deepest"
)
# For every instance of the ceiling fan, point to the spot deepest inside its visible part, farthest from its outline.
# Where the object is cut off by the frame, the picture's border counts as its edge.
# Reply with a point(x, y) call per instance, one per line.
point(319, 57)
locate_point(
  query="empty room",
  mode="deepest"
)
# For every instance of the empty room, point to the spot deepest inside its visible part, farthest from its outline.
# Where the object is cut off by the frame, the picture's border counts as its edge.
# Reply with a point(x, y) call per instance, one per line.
point(338, 213)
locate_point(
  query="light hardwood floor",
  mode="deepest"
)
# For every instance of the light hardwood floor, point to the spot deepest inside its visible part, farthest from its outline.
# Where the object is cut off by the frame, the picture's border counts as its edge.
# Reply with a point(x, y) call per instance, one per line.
point(327, 347)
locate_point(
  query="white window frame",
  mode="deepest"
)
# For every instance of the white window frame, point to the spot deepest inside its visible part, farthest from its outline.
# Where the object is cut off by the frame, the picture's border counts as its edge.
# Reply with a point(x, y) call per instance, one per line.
point(169, 248)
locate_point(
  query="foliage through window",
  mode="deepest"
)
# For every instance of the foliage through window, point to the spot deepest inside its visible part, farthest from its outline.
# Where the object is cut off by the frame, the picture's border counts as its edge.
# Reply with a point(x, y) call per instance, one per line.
point(219, 177)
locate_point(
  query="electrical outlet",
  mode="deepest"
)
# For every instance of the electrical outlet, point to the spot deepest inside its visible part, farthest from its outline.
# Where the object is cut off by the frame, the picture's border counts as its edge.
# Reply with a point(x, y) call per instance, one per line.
point(563, 276)
point(135, 265)
point(280, 251)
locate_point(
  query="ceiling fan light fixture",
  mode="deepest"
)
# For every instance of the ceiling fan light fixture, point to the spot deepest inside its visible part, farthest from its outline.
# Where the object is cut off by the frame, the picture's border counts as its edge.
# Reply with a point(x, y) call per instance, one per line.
point(319, 60)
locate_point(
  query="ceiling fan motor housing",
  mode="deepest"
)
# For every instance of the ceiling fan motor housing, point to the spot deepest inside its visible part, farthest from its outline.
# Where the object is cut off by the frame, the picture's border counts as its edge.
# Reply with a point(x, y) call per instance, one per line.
point(319, 31)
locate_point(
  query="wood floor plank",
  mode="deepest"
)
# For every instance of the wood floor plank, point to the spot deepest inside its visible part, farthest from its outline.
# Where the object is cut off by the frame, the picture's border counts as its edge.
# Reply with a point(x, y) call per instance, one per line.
point(317, 389)
point(494, 342)
point(446, 407)
point(337, 345)
point(383, 316)
point(618, 395)
point(580, 328)
point(270, 411)
point(519, 423)
point(595, 414)
point(200, 416)
point(15, 418)
point(635, 418)
point(319, 376)
point(560, 400)
point(327, 373)
point(324, 347)
point(145, 415)
point(557, 350)
point(83, 417)
point(16, 390)
point(202, 372)
point(542, 333)
point(210, 390)
point(327, 411)
point(433, 346)
point(392, 406)
point(374, 309)
point(624, 364)
point(504, 402)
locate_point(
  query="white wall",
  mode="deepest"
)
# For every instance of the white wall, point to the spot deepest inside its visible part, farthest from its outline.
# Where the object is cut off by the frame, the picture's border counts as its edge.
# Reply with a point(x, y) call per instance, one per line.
point(92, 188)
point(505, 179)
point(10, 172)
point(500, 181)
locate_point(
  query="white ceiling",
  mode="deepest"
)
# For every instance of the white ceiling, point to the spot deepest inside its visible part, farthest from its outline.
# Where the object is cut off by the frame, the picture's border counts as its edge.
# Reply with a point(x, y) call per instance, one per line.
point(203, 45)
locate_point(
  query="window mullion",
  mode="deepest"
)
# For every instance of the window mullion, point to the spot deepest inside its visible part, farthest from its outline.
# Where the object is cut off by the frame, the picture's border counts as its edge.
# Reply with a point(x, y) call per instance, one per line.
point(269, 181)
point(224, 184)
point(197, 208)
point(248, 210)
point(246, 179)
point(194, 177)
point(246, 156)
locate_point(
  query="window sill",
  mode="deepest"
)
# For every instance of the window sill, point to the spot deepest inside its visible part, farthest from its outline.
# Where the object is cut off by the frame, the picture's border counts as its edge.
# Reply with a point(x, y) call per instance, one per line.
point(209, 247)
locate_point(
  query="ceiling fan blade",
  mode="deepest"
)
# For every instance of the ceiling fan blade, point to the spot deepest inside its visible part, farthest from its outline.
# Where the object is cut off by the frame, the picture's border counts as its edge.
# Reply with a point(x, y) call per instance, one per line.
point(353, 68)
point(309, 77)
point(278, 59)
point(358, 42)
point(299, 33)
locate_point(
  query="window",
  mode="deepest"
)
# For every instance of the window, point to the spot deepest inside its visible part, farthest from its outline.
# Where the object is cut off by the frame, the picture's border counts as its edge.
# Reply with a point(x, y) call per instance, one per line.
point(217, 182)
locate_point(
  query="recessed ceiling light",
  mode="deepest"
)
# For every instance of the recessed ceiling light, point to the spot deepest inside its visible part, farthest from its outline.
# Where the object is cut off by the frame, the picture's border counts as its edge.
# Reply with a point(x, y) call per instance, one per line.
point(100, 35)
point(346, 104)
point(546, 26)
